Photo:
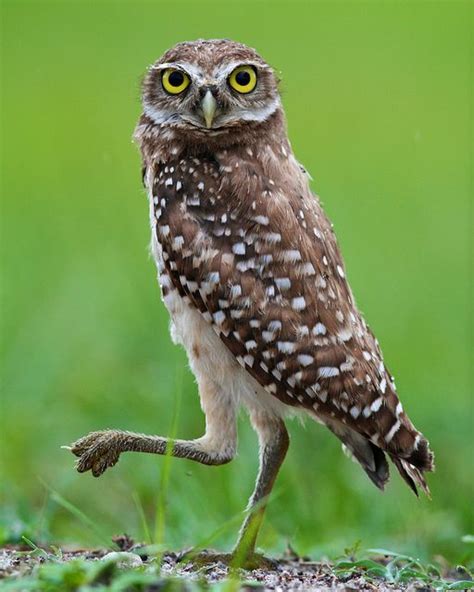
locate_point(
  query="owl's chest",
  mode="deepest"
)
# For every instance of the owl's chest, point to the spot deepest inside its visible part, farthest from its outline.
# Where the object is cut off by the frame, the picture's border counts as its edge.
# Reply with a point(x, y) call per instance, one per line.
point(218, 192)
point(188, 200)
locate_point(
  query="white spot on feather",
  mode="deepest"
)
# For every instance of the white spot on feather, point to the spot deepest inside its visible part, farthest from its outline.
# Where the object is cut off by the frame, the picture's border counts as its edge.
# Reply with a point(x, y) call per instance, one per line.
point(298, 303)
point(291, 255)
point(274, 325)
point(272, 237)
point(238, 248)
point(376, 404)
point(178, 243)
point(328, 371)
point(283, 283)
point(319, 329)
point(305, 359)
point(219, 317)
point(392, 432)
point(355, 411)
point(286, 347)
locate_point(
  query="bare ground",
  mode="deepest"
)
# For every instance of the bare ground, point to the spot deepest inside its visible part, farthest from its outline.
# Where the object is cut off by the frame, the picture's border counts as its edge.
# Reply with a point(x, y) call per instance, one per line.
point(18, 563)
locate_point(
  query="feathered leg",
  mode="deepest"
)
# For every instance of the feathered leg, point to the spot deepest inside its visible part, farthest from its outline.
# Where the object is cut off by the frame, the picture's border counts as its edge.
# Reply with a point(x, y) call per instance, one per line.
point(100, 450)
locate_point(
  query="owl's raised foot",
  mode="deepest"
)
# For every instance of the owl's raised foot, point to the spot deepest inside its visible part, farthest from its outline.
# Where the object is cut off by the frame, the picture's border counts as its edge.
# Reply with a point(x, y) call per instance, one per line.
point(200, 559)
point(96, 452)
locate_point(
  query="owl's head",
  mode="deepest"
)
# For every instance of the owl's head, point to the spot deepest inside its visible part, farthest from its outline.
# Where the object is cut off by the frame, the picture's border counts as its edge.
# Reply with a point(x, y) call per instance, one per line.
point(210, 87)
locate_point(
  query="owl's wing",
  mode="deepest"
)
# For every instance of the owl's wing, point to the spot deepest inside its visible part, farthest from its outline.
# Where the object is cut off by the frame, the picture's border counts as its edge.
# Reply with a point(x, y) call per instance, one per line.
point(269, 278)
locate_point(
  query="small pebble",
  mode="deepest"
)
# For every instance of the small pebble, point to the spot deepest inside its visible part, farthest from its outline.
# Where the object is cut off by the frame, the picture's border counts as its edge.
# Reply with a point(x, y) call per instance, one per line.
point(123, 559)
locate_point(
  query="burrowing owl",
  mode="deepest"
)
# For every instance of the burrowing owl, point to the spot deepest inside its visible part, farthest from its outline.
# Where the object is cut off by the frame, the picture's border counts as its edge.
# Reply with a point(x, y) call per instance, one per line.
point(251, 274)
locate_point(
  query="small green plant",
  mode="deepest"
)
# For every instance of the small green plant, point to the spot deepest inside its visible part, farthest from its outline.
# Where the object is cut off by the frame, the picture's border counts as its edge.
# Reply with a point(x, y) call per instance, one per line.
point(397, 568)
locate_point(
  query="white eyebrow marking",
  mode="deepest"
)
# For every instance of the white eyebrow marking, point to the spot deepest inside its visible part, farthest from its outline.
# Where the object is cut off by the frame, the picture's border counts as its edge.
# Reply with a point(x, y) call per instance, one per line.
point(192, 70)
point(223, 70)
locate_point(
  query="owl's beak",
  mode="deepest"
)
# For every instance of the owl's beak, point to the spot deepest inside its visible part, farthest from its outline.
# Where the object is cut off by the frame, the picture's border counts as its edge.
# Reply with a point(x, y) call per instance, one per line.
point(209, 106)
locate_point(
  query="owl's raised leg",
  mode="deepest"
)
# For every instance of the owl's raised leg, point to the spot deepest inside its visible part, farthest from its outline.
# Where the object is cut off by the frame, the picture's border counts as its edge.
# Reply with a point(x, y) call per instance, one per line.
point(100, 450)
point(274, 441)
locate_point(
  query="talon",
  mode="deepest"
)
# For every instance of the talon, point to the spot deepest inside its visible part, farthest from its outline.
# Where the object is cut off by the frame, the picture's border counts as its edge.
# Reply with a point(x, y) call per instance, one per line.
point(96, 453)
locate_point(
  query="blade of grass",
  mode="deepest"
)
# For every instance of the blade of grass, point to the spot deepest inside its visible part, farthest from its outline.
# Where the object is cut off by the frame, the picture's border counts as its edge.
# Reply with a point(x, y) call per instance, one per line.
point(79, 514)
point(388, 553)
point(39, 529)
point(160, 514)
point(234, 521)
point(461, 585)
point(143, 520)
point(36, 549)
point(233, 583)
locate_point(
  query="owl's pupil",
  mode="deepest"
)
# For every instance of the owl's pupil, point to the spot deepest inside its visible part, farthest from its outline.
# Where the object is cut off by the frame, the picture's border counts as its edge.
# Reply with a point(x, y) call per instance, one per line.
point(176, 78)
point(242, 78)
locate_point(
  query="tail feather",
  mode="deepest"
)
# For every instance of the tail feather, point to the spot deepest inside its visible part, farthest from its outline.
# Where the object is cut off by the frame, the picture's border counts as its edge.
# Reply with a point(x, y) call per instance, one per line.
point(409, 452)
point(412, 468)
point(371, 458)
point(381, 474)
point(422, 457)
point(411, 475)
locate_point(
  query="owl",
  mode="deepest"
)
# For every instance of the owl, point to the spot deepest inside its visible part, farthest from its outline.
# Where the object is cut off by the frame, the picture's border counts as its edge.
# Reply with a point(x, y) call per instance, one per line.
point(254, 282)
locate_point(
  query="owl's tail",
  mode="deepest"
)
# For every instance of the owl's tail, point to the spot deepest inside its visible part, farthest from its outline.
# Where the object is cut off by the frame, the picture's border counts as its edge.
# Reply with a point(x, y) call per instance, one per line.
point(409, 452)
point(359, 448)
point(412, 468)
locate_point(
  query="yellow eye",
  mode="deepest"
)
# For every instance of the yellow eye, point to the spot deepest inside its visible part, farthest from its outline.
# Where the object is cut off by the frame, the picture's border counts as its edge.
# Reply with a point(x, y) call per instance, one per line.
point(243, 79)
point(174, 81)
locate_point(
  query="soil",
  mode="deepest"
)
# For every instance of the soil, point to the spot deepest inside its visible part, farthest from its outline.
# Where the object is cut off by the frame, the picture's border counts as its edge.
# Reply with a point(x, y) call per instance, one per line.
point(290, 573)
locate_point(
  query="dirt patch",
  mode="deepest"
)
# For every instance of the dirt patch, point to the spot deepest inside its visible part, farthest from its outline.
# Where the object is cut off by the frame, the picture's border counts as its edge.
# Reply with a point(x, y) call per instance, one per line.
point(145, 574)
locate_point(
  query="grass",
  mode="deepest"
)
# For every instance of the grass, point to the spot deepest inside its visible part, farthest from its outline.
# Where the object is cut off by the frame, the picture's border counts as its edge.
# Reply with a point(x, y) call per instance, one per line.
point(379, 103)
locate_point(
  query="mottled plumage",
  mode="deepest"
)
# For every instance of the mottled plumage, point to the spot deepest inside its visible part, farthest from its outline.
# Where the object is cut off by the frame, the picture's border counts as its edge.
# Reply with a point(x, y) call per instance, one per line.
point(250, 269)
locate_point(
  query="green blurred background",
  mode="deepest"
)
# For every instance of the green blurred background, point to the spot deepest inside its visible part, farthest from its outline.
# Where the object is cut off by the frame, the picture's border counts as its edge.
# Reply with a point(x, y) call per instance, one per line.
point(379, 105)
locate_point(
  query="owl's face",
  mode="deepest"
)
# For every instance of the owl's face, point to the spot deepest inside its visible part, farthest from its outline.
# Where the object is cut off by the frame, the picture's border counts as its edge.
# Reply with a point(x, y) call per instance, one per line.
point(208, 87)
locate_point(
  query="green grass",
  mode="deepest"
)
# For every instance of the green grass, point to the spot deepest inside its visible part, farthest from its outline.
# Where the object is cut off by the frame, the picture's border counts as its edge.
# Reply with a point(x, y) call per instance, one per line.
point(379, 104)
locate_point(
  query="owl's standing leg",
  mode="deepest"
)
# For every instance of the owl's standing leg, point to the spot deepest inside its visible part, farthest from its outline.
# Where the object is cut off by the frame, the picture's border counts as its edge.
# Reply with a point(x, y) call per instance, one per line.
point(274, 441)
